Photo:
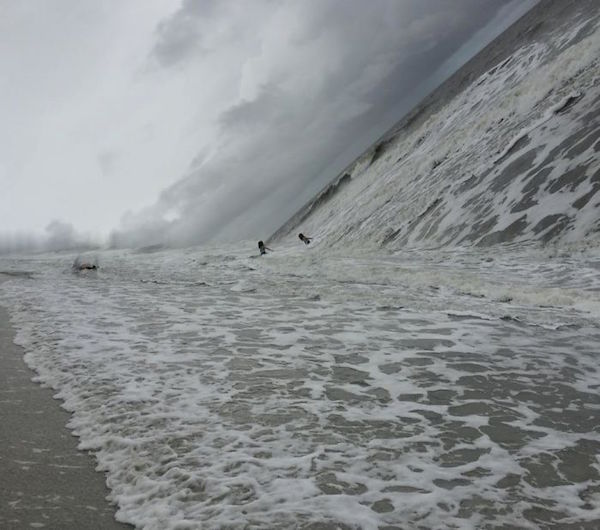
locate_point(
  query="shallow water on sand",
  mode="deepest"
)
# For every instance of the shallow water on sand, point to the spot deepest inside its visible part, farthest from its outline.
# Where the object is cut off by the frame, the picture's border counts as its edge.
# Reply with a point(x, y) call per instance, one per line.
point(309, 389)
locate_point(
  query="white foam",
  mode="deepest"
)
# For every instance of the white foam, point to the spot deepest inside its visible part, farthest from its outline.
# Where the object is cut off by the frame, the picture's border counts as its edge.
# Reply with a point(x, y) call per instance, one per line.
point(209, 405)
point(474, 134)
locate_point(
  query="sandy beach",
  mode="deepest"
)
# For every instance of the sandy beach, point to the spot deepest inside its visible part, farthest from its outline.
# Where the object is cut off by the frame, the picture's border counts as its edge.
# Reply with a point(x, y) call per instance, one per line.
point(45, 482)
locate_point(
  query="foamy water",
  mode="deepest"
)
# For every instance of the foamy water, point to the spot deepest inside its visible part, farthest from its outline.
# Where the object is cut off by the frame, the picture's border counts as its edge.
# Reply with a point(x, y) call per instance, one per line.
point(312, 389)
point(360, 382)
point(507, 151)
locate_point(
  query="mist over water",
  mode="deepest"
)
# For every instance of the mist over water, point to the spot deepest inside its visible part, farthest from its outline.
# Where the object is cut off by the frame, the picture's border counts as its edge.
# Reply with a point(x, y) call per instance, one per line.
point(58, 236)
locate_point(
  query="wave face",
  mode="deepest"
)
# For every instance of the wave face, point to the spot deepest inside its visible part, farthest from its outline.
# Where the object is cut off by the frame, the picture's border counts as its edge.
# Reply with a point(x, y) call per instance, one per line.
point(506, 151)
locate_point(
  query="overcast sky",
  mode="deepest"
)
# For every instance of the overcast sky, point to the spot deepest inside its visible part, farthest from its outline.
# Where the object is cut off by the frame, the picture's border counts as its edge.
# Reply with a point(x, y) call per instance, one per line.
point(182, 121)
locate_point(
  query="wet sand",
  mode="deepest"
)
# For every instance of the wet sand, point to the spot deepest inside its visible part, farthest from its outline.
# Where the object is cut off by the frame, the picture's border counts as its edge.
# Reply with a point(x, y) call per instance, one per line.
point(45, 482)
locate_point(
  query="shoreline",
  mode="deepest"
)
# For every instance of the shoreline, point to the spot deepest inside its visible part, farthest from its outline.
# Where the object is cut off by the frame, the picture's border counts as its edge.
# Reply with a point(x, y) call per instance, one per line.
point(45, 481)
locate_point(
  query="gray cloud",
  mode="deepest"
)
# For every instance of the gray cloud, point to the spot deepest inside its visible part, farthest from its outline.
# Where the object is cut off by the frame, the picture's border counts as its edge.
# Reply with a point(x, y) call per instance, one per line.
point(347, 69)
point(60, 235)
point(180, 35)
point(107, 161)
point(207, 119)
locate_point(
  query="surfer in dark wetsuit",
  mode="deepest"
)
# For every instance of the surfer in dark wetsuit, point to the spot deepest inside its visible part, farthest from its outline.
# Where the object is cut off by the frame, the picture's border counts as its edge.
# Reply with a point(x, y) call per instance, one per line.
point(263, 249)
point(304, 239)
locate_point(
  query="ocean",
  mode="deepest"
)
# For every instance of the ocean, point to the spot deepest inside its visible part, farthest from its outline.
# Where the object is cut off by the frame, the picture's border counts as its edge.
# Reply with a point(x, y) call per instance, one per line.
point(313, 389)
point(429, 361)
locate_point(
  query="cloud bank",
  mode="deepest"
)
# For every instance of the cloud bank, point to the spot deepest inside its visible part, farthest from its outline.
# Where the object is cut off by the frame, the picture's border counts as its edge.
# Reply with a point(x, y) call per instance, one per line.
point(57, 236)
point(316, 83)
point(207, 120)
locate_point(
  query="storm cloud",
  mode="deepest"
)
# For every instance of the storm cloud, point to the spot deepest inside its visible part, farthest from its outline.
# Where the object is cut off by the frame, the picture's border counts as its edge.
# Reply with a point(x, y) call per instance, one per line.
point(319, 82)
point(210, 120)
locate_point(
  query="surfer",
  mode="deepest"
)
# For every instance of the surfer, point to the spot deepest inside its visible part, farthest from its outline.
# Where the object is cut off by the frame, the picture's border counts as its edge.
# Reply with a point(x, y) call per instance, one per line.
point(304, 239)
point(263, 249)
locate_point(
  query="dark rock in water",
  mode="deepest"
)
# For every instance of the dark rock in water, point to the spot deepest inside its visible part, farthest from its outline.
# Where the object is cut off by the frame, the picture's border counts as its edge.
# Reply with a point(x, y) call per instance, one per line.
point(84, 264)
point(87, 266)
point(315, 298)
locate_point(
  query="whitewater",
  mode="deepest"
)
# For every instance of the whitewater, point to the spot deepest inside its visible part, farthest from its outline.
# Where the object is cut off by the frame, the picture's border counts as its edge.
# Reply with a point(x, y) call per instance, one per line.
point(430, 360)
point(310, 389)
